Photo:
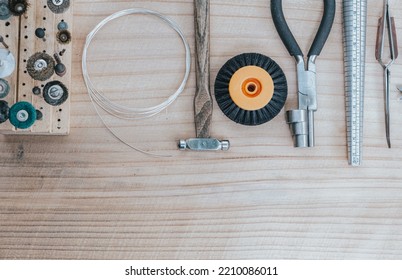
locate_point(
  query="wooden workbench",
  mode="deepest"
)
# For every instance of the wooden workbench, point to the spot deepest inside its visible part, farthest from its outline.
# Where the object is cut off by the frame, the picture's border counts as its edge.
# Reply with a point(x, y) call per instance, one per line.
point(87, 195)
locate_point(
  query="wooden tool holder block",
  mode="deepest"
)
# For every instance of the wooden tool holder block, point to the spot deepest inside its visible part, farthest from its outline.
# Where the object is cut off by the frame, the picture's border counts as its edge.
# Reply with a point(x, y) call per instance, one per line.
point(19, 34)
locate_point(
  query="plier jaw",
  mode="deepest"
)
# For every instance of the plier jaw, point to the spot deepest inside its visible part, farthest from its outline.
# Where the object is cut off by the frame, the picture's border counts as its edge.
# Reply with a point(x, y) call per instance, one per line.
point(307, 86)
point(301, 120)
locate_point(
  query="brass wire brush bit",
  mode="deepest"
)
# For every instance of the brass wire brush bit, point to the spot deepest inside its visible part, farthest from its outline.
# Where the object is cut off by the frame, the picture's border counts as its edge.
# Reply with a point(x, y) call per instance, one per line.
point(58, 6)
point(40, 66)
point(63, 37)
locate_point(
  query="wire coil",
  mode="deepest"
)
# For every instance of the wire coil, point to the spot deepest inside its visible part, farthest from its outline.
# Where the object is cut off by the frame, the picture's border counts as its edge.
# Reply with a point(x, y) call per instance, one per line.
point(121, 111)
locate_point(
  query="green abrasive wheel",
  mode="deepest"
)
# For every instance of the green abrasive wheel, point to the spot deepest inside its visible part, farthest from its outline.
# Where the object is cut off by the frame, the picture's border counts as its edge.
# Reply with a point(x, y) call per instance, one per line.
point(22, 115)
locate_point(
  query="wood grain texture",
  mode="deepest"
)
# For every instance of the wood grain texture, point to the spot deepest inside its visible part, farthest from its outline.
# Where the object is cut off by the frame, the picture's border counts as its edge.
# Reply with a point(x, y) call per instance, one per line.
point(88, 196)
point(203, 98)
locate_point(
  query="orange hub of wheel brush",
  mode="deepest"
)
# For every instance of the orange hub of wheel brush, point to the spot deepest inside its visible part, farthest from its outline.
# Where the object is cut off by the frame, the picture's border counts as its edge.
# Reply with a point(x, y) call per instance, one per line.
point(251, 89)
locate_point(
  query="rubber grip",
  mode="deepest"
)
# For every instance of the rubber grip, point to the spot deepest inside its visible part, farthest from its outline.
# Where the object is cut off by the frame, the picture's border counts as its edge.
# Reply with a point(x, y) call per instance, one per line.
point(325, 28)
point(283, 29)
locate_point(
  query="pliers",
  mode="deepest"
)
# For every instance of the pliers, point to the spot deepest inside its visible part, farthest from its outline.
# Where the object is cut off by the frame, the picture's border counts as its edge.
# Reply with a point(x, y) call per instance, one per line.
point(301, 121)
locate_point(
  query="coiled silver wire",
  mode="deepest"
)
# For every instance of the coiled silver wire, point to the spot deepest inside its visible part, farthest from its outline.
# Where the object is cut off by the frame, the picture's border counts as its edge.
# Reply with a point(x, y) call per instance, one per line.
point(121, 111)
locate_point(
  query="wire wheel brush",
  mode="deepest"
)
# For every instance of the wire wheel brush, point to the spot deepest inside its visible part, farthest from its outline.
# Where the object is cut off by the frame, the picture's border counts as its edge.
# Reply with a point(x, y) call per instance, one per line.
point(40, 66)
point(18, 7)
point(251, 89)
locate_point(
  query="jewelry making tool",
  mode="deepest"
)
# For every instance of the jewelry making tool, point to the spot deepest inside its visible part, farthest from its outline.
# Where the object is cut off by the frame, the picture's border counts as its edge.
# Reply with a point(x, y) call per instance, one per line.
point(33, 83)
point(251, 89)
point(354, 40)
point(301, 121)
point(115, 109)
point(386, 28)
point(203, 99)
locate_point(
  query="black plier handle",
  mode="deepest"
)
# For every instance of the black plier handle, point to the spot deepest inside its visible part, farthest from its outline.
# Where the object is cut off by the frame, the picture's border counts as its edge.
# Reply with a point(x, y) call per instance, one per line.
point(301, 120)
point(287, 37)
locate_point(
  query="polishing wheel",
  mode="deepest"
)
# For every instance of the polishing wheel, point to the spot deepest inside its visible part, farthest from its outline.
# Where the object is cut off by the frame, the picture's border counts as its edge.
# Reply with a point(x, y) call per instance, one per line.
point(251, 89)
point(40, 66)
point(18, 7)
point(4, 88)
point(55, 93)
point(4, 111)
point(22, 115)
point(4, 10)
point(58, 6)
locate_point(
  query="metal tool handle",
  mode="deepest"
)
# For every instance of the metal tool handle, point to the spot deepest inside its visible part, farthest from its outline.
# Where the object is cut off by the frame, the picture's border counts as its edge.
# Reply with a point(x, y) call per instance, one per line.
point(387, 75)
point(392, 37)
point(287, 37)
point(203, 99)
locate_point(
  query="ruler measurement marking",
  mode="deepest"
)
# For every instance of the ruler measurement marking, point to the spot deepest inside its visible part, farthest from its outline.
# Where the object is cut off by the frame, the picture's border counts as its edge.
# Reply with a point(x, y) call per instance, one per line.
point(354, 13)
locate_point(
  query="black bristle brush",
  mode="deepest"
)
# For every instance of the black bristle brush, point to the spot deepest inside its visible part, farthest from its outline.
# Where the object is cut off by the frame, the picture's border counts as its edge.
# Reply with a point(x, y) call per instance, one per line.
point(18, 7)
point(251, 89)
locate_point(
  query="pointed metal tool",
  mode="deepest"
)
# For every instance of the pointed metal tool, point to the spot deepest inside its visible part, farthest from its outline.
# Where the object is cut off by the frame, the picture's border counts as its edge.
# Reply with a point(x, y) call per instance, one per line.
point(386, 27)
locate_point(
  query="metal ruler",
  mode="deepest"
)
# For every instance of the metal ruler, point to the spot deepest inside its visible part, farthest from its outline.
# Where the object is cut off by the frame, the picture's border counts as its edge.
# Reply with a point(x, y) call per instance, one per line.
point(354, 40)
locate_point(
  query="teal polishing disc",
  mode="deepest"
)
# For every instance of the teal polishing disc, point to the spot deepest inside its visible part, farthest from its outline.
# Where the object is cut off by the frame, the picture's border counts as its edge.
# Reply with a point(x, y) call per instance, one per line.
point(22, 115)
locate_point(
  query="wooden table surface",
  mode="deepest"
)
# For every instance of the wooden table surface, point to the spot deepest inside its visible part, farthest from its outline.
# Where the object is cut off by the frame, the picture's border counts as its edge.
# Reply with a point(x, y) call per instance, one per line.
point(89, 196)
